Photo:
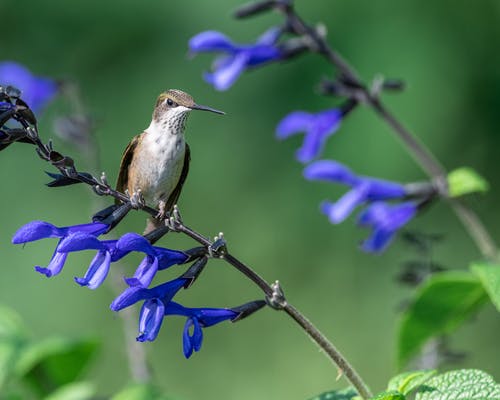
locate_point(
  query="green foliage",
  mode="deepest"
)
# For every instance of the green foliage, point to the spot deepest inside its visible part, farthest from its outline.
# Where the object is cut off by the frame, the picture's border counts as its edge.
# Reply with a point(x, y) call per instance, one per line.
point(140, 391)
point(73, 391)
point(465, 180)
point(48, 367)
point(489, 275)
point(406, 382)
point(390, 395)
point(54, 361)
point(469, 384)
point(344, 394)
point(441, 304)
point(465, 384)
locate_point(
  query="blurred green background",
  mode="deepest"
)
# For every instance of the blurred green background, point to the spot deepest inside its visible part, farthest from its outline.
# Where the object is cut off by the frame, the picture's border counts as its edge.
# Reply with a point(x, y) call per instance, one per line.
point(245, 183)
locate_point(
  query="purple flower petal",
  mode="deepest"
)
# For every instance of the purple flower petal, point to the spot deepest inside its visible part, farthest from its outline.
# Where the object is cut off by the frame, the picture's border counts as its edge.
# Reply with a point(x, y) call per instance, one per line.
point(135, 242)
point(258, 55)
point(293, 123)
point(55, 266)
point(97, 271)
point(150, 320)
point(224, 77)
point(197, 337)
point(378, 241)
point(323, 126)
point(317, 127)
point(269, 37)
point(92, 228)
point(332, 171)
point(211, 316)
point(311, 146)
point(35, 230)
point(167, 257)
point(80, 241)
point(337, 212)
point(36, 92)
point(145, 273)
point(382, 190)
point(385, 220)
point(187, 345)
point(165, 292)
point(211, 41)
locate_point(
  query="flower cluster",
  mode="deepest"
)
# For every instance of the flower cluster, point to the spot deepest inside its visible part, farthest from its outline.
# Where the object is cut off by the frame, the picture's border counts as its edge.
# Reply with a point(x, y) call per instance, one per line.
point(157, 301)
point(235, 58)
point(384, 218)
point(388, 206)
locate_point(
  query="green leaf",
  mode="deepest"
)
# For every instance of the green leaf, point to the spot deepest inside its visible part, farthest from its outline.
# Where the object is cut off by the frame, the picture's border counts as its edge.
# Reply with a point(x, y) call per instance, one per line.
point(408, 381)
point(140, 391)
point(465, 180)
point(74, 391)
point(390, 395)
point(465, 384)
point(54, 362)
point(441, 304)
point(344, 394)
point(489, 274)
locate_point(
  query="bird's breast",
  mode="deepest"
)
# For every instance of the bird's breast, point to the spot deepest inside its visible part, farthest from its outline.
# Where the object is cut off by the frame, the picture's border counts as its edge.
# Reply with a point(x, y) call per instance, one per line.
point(158, 163)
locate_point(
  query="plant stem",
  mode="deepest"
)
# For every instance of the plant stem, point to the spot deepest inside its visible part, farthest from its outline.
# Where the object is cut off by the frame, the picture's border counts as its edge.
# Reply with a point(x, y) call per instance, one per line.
point(422, 155)
point(345, 368)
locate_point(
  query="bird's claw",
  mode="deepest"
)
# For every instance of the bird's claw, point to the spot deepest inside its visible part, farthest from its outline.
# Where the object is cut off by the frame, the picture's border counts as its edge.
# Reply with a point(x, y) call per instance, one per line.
point(173, 220)
point(219, 247)
point(162, 212)
point(137, 200)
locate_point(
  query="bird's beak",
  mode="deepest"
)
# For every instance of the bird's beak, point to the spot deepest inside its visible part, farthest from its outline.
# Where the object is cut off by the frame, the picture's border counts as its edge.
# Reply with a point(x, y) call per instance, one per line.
point(205, 108)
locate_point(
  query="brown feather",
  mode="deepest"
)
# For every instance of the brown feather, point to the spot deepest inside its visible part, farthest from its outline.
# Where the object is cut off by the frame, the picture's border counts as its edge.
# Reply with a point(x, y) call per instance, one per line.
point(128, 154)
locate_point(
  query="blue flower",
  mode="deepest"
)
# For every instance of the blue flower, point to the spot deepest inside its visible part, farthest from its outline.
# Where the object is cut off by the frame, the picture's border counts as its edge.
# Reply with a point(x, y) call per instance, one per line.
point(197, 318)
point(236, 58)
point(36, 91)
point(363, 189)
point(153, 308)
point(384, 219)
point(37, 230)
point(157, 258)
point(164, 293)
point(317, 127)
point(99, 266)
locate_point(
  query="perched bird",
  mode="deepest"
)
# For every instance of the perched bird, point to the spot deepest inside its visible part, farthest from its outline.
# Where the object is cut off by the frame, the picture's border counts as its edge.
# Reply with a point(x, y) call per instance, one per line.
point(155, 163)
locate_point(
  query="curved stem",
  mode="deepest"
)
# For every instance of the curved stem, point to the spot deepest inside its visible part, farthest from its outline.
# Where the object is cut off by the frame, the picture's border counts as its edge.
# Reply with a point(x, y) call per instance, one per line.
point(422, 155)
point(345, 368)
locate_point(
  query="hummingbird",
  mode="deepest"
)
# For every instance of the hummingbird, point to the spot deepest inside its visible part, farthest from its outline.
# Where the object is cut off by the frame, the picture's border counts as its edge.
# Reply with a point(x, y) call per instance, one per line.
point(155, 164)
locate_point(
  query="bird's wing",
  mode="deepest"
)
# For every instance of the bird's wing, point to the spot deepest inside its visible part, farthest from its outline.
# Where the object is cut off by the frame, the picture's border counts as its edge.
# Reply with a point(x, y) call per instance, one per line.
point(128, 154)
point(174, 196)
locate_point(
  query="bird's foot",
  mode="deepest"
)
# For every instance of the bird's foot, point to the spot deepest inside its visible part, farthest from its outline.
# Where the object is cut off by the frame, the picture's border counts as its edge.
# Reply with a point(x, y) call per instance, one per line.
point(162, 212)
point(137, 199)
point(173, 220)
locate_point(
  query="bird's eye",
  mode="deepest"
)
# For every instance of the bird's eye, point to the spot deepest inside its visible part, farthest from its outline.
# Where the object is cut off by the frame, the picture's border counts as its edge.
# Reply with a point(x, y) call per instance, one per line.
point(171, 103)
